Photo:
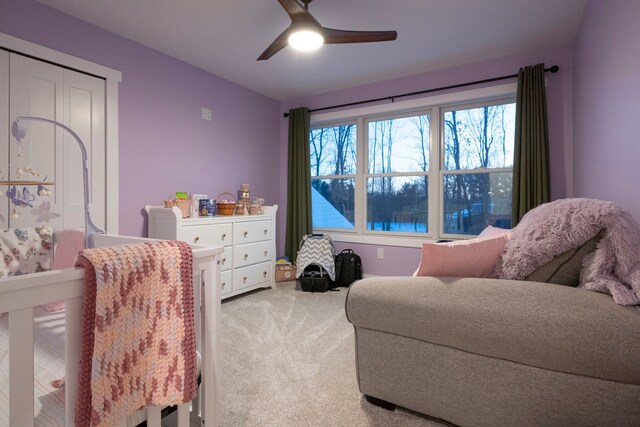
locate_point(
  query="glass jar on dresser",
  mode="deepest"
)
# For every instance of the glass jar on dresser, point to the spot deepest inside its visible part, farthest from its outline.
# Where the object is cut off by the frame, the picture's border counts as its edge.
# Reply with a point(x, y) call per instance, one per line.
point(248, 261)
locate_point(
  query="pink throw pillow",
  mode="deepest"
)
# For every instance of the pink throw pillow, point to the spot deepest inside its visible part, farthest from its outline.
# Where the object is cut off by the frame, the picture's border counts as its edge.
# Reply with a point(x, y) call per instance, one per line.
point(464, 258)
point(494, 231)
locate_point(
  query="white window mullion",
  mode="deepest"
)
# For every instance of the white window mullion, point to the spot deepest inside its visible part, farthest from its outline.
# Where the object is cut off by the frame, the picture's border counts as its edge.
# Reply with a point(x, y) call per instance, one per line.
point(435, 177)
point(360, 214)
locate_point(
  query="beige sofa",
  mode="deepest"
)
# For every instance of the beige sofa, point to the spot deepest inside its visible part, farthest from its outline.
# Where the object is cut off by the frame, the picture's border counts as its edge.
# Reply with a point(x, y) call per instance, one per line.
point(491, 352)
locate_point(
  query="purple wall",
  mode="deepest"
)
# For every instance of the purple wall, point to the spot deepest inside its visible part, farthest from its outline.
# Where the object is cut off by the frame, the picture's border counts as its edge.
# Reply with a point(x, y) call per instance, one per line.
point(164, 145)
point(404, 261)
point(607, 95)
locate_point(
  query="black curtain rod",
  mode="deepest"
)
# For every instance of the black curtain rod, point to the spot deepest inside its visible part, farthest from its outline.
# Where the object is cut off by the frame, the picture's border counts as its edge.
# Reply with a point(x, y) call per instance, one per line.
point(552, 69)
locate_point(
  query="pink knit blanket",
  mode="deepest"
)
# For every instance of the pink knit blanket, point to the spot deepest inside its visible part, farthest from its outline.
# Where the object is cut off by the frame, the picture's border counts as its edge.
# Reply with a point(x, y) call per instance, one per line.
point(138, 330)
point(554, 228)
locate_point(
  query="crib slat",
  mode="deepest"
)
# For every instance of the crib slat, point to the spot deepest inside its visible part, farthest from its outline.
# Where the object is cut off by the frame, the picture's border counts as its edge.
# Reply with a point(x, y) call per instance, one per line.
point(21, 367)
point(211, 343)
point(73, 344)
point(183, 415)
point(154, 418)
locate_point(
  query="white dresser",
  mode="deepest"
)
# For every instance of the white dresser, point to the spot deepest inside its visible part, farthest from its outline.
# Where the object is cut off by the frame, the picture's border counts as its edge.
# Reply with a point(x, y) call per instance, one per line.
point(248, 261)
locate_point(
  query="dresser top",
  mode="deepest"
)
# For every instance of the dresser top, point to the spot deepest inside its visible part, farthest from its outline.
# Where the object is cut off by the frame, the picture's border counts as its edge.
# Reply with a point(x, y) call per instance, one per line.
point(175, 214)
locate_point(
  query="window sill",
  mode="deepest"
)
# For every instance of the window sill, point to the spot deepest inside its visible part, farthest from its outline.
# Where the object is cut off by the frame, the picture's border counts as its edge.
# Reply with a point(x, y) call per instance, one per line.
point(380, 240)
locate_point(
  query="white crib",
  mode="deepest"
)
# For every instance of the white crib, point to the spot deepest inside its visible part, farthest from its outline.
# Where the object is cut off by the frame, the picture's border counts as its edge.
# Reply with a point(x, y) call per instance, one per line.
point(19, 296)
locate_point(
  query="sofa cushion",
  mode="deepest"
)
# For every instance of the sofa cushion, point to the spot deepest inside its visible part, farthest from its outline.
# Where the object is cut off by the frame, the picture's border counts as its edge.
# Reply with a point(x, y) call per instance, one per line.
point(565, 268)
point(553, 327)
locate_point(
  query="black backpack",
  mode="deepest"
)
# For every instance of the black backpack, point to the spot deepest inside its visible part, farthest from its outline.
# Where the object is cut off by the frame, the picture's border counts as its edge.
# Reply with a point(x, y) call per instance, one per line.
point(348, 267)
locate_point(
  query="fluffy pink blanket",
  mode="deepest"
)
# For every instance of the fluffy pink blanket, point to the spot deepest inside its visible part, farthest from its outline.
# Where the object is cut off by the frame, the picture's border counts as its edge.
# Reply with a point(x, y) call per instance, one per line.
point(554, 228)
point(138, 330)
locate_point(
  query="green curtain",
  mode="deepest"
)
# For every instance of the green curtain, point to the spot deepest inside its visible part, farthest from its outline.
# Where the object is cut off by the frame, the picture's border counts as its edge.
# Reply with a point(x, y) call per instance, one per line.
point(298, 181)
point(531, 182)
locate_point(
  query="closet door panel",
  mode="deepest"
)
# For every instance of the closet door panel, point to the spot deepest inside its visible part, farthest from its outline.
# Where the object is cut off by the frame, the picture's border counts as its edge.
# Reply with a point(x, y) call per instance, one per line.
point(84, 112)
point(76, 100)
point(4, 135)
point(36, 89)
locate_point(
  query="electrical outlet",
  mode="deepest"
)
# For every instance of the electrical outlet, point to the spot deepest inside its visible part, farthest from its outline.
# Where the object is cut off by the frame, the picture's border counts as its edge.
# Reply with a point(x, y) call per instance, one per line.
point(380, 253)
point(206, 114)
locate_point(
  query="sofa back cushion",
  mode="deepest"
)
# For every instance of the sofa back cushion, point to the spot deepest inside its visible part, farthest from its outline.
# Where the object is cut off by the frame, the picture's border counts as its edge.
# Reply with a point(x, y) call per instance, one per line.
point(565, 268)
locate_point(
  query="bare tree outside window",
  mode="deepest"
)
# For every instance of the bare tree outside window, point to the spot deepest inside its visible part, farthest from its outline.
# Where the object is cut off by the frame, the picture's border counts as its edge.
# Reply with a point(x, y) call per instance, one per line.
point(333, 166)
point(472, 170)
point(397, 179)
point(478, 161)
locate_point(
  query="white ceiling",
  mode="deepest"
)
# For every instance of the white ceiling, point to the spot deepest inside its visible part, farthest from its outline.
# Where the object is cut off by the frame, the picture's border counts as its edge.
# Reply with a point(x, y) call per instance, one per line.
point(224, 37)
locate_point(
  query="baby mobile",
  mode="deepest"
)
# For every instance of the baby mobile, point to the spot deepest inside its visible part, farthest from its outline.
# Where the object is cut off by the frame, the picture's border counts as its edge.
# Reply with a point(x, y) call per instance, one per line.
point(20, 200)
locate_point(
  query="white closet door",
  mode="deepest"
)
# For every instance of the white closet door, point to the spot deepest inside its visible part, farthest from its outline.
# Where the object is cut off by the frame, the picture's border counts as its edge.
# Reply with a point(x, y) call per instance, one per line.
point(76, 100)
point(4, 135)
point(35, 90)
point(84, 112)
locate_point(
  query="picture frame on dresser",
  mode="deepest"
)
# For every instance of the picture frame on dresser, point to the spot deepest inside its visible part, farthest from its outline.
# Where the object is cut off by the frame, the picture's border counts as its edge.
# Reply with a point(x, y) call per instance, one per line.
point(249, 257)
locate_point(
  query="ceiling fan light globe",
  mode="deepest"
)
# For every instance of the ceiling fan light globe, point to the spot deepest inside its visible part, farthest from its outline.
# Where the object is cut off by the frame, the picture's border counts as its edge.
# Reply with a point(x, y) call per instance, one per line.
point(306, 40)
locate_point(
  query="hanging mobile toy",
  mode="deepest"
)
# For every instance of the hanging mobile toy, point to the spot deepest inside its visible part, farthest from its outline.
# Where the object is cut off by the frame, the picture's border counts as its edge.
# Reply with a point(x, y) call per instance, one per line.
point(42, 190)
point(20, 200)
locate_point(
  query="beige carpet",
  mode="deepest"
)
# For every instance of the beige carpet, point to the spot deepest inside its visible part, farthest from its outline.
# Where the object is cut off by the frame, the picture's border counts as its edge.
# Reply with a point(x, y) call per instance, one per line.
point(288, 360)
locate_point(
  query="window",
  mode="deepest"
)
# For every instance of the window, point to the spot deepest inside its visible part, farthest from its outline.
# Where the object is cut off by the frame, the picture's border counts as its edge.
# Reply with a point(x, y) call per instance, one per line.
point(398, 173)
point(478, 161)
point(438, 168)
point(333, 169)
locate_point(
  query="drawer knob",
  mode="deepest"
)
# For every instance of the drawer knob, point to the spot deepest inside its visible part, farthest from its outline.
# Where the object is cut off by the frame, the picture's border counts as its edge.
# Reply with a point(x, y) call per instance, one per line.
point(265, 231)
point(223, 236)
point(245, 233)
point(244, 279)
point(265, 253)
point(224, 260)
point(246, 256)
point(223, 284)
point(264, 273)
point(195, 239)
point(218, 262)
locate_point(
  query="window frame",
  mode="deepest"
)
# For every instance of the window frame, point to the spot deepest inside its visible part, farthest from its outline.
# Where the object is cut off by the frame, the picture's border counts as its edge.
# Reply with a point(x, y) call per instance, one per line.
point(432, 105)
point(431, 223)
point(348, 176)
point(441, 152)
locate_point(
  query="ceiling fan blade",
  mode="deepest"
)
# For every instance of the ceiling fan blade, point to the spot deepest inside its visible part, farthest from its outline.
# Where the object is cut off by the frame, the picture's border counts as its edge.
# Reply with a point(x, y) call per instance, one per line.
point(278, 44)
point(333, 36)
point(296, 11)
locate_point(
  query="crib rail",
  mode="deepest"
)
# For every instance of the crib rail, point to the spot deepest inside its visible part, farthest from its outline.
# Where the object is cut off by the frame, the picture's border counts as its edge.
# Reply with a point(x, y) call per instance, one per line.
point(21, 294)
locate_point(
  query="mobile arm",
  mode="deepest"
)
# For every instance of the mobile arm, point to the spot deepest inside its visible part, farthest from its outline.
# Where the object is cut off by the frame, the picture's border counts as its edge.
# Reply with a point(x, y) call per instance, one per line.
point(19, 130)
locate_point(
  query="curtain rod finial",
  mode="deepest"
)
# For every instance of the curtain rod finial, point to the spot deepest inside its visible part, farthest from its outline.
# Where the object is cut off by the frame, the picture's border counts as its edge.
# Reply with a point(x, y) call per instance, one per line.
point(554, 68)
point(286, 115)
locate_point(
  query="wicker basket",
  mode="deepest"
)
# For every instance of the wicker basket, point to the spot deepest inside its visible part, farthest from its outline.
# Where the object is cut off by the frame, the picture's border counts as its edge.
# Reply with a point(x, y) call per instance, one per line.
point(225, 207)
point(184, 205)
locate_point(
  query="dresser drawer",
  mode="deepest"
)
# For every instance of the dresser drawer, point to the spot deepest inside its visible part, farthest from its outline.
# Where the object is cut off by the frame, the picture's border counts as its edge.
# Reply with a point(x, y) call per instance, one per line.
point(252, 253)
point(248, 232)
point(252, 275)
point(225, 282)
point(210, 234)
point(226, 260)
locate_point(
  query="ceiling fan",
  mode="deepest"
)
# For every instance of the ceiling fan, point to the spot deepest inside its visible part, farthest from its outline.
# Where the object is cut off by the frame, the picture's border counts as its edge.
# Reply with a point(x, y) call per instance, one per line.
point(305, 33)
